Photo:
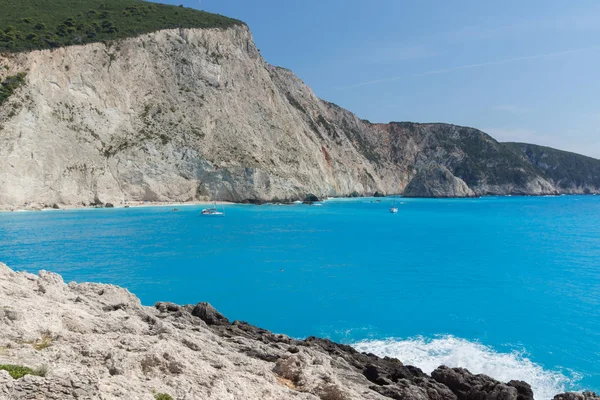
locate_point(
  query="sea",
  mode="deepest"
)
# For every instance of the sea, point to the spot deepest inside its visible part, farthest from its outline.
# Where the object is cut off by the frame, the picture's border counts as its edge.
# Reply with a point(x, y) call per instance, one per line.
point(506, 286)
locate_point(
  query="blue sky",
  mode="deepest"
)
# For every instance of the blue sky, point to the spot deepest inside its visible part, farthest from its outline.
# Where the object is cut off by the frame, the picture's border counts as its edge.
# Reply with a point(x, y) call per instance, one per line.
point(519, 70)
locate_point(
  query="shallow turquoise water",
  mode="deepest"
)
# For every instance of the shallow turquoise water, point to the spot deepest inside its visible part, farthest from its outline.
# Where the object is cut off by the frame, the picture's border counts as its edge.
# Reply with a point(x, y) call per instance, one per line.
point(442, 278)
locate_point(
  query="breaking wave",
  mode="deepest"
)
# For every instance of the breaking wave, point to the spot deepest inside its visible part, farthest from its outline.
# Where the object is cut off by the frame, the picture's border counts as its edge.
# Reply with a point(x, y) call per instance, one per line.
point(428, 354)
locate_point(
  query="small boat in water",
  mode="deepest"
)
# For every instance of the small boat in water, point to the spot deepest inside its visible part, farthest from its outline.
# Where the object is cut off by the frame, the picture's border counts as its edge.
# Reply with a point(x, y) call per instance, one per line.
point(393, 208)
point(213, 210)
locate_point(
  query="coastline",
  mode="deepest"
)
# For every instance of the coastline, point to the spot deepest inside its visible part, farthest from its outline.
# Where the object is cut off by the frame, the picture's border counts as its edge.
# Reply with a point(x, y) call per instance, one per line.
point(141, 204)
point(90, 340)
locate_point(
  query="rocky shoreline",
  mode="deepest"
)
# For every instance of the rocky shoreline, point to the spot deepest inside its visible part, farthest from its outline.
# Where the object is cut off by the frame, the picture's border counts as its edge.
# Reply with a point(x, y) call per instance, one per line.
point(95, 341)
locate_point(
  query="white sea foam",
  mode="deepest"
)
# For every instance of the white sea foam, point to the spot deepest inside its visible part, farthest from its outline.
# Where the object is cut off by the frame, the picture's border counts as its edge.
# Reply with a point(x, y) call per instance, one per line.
point(428, 354)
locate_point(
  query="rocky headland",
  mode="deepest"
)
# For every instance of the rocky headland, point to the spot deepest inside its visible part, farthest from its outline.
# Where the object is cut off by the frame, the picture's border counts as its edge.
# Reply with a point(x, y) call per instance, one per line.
point(96, 341)
point(437, 181)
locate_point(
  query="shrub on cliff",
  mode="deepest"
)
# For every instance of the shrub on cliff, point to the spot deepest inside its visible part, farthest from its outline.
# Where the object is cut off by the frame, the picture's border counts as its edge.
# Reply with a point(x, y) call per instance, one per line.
point(9, 85)
point(39, 24)
point(19, 371)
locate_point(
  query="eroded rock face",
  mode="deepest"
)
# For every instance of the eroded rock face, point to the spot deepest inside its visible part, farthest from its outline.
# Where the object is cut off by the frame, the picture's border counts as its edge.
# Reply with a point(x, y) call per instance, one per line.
point(437, 181)
point(98, 342)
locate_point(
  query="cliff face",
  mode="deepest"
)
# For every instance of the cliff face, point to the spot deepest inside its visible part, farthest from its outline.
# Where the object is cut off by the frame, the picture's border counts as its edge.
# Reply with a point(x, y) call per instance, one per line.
point(158, 117)
point(94, 341)
point(176, 114)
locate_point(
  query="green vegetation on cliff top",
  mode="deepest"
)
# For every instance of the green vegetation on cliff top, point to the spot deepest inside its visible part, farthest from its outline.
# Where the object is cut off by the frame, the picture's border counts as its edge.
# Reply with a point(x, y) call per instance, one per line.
point(40, 24)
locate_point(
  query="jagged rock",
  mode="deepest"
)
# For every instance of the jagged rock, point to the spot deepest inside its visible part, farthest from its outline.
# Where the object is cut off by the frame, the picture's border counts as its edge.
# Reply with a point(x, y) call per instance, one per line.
point(467, 386)
point(167, 307)
point(109, 205)
point(437, 181)
point(577, 396)
point(209, 314)
point(523, 389)
point(404, 389)
point(290, 368)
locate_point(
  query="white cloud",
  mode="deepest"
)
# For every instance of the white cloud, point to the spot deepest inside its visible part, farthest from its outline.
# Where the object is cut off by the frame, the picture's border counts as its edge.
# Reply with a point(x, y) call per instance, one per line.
point(477, 65)
point(394, 53)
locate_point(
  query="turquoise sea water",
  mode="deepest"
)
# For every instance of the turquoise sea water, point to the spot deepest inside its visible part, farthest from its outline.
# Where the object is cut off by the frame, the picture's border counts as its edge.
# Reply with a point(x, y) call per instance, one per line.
point(506, 286)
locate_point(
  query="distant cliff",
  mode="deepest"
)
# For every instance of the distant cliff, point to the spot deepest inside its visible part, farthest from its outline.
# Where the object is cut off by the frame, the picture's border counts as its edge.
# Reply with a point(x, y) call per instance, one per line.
point(174, 114)
point(568, 172)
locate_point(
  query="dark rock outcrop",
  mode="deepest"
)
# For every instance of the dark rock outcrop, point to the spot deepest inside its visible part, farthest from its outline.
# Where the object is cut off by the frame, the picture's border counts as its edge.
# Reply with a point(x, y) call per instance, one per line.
point(310, 198)
point(209, 314)
point(467, 386)
point(577, 396)
point(524, 391)
point(437, 181)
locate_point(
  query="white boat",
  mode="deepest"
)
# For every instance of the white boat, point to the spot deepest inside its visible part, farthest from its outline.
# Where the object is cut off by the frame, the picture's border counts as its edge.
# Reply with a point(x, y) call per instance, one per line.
point(393, 208)
point(213, 210)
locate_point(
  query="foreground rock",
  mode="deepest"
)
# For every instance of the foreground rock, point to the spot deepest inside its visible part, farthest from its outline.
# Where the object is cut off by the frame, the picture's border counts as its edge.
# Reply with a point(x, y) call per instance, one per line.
point(97, 341)
point(437, 181)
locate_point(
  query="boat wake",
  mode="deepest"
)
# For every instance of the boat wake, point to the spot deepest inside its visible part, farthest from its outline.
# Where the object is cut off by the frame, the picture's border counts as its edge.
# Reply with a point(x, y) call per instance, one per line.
point(428, 354)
